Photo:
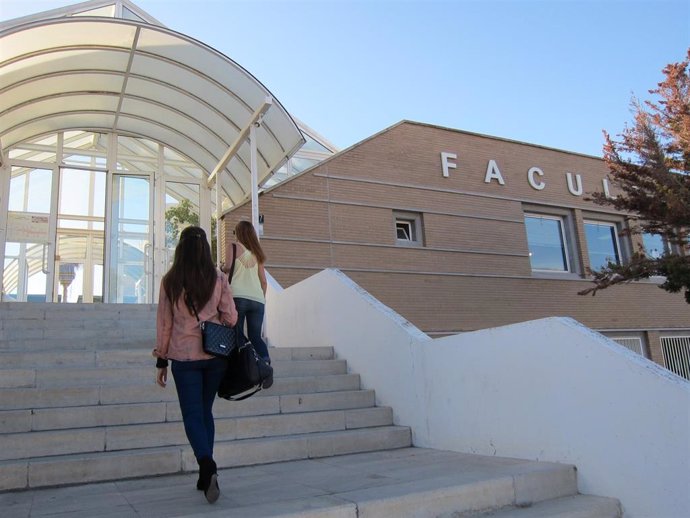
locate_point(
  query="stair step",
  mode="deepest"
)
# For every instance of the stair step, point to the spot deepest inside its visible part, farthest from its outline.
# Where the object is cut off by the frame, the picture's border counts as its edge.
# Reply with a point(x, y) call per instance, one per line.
point(45, 397)
point(578, 506)
point(401, 483)
point(128, 356)
point(101, 466)
point(143, 340)
point(139, 372)
point(11, 312)
point(170, 433)
point(42, 419)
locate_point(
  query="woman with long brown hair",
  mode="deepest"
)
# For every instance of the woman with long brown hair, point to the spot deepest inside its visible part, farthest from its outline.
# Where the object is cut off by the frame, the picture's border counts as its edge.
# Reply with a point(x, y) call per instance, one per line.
point(249, 284)
point(193, 290)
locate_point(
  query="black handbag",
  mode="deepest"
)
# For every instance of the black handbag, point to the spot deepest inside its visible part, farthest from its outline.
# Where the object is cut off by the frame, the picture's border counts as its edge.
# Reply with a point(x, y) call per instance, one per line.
point(216, 339)
point(247, 373)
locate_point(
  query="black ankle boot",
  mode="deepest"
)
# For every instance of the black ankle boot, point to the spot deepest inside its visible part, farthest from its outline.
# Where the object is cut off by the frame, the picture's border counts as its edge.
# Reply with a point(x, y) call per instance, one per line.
point(199, 484)
point(208, 479)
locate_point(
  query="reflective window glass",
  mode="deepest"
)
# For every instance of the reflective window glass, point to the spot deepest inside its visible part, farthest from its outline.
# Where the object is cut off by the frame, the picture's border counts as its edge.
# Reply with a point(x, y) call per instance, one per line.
point(108, 11)
point(602, 243)
point(313, 145)
point(129, 15)
point(654, 245)
point(82, 193)
point(181, 210)
point(546, 241)
point(85, 149)
point(40, 149)
point(302, 164)
point(30, 190)
point(136, 154)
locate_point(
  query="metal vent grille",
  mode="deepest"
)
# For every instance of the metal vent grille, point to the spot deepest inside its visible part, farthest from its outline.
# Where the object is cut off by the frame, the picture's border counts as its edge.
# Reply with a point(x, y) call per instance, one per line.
point(633, 343)
point(676, 351)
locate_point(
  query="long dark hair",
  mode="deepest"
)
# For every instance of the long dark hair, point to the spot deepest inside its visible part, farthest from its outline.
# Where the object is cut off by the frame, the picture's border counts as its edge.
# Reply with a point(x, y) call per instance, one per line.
point(192, 271)
point(246, 235)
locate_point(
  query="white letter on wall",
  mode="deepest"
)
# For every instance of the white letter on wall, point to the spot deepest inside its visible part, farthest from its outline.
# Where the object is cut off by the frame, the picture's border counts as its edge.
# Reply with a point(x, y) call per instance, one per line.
point(574, 190)
point(493, 172)
point(607, 193)
point(445, 164)
point(530, 178)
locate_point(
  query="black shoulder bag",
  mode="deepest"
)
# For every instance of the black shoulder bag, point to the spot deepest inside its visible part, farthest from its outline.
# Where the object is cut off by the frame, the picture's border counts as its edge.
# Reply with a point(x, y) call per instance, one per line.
point(216, 339)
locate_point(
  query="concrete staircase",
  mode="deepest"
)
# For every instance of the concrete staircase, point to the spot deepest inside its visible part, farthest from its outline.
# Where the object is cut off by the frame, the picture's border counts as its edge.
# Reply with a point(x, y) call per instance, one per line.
point(78, 405)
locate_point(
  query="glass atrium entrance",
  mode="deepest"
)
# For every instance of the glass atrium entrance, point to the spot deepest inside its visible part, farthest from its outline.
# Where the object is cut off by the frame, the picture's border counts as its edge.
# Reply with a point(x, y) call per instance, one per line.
point(114, 133)
point(95, 217)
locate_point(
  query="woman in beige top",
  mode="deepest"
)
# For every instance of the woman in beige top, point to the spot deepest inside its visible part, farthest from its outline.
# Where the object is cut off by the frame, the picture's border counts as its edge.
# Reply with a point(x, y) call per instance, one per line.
point(193, 287)
point(249, 284)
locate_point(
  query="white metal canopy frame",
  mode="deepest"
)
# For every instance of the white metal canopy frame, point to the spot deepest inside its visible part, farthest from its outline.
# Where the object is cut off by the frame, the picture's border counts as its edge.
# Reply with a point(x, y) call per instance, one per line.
point(132, 78)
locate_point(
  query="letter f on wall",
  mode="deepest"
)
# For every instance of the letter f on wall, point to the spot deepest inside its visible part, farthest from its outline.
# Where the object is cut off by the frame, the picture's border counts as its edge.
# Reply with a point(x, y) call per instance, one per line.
point(445, 164)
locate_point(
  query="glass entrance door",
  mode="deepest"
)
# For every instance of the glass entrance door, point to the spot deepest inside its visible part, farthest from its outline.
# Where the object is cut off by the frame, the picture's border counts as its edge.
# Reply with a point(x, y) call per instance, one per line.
point(94, 217)
point(80, 236)
point(28, 271)
point(181, 210)
point(131, 239)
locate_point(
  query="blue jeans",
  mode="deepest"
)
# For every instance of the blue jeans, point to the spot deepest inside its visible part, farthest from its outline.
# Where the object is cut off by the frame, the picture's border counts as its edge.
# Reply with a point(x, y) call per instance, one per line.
point(197, 383)
point(253, 312)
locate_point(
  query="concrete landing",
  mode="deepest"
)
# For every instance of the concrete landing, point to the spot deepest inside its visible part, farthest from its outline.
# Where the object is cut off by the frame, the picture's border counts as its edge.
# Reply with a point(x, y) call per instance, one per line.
point(396, 483)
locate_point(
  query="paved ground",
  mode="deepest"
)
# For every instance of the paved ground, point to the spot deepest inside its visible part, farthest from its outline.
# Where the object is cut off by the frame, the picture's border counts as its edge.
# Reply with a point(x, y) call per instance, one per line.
point(321, 486)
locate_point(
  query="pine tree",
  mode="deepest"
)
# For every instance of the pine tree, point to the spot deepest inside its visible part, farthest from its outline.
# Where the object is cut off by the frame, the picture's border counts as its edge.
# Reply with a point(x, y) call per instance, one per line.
point(650, 165)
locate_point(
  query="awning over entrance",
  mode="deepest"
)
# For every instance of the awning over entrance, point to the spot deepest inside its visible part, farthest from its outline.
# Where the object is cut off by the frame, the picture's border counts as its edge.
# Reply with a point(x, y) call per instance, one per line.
point(128, 77)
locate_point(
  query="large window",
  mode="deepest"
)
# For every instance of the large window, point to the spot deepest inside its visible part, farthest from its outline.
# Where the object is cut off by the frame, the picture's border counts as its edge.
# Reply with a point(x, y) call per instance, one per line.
point(547, 244)
point(602, 243)
point(654, 245)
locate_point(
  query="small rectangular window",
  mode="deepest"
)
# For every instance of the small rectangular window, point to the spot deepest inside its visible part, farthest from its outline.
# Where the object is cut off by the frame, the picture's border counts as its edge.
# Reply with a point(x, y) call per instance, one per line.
point(602, 244)
point(404, 229)
point(408, 228)
point(548, 250)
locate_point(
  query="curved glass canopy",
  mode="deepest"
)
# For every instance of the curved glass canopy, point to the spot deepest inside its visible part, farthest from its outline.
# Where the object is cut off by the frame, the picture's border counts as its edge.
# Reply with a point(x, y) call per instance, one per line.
point(112, 132)
point(132, 78)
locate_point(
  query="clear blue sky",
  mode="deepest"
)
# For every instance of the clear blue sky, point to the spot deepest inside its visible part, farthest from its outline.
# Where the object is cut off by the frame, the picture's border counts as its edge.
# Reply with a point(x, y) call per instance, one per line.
point(553, 73)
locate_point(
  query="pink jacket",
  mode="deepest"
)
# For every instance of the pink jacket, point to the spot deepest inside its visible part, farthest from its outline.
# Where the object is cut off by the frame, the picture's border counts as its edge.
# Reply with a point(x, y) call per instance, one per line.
point(178, 336)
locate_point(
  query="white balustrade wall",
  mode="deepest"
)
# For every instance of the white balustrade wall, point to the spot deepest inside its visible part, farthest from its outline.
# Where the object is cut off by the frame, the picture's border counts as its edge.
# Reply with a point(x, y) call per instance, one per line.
point(548, 389)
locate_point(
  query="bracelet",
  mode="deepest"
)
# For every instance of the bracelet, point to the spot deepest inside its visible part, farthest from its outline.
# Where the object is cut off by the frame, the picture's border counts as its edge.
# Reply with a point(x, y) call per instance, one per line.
point(161, 363)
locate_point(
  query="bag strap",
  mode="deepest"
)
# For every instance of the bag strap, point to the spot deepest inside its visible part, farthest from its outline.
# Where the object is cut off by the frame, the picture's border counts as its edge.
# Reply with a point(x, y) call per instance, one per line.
point(232, 268)
point(254, 390)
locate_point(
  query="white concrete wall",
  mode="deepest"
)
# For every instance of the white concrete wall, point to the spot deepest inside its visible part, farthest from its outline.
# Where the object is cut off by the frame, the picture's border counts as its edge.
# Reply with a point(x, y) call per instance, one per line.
point(548, 389)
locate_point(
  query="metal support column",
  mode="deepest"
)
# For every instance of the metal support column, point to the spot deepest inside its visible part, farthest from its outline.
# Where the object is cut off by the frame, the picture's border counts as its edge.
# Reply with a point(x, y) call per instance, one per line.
point(255, 175)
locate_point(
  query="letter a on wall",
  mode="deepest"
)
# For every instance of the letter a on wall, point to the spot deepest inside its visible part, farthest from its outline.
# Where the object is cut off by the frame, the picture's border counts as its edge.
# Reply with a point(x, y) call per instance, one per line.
point(493, 173)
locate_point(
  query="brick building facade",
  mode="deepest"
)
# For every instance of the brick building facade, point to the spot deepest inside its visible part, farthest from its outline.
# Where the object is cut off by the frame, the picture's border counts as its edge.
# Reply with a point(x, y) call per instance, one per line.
point(459, 231)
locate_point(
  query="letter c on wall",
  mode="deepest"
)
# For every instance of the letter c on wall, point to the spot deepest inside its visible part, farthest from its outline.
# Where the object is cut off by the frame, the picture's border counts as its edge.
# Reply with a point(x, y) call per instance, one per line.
point(530, 178)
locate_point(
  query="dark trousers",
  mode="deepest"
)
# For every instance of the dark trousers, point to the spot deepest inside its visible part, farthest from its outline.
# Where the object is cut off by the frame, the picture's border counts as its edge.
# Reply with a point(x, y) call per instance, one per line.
point(197, 383)
point(253, 312)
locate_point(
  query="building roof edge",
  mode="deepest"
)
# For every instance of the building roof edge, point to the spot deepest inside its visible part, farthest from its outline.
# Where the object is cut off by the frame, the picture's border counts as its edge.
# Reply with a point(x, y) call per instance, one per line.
point(502, 139)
